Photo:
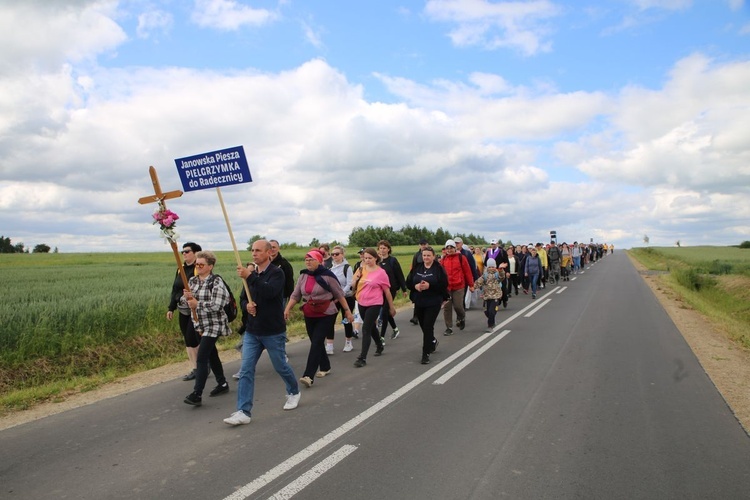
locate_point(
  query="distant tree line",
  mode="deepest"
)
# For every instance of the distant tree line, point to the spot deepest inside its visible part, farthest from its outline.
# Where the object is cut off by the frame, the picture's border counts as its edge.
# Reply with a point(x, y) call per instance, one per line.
point(370, 235)
point(6, 246)
point(408, 235)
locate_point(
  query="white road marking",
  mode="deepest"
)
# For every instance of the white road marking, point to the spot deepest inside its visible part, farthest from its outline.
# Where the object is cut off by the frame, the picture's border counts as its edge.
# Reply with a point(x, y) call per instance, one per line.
point(463, 364)
point(308, 477)
point(542, 304)
point(562, 290)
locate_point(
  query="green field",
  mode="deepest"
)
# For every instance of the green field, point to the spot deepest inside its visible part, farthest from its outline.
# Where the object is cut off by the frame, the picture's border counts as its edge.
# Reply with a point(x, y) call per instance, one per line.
point(73, 321)
point(713, 280)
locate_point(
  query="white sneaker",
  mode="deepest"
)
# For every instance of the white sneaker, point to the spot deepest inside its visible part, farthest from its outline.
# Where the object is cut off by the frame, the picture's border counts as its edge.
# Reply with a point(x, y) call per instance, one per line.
point(348, 346)
point(237, 418)
point(329, 348)
point(321, 373)
point(236, 376)
point(292, 400)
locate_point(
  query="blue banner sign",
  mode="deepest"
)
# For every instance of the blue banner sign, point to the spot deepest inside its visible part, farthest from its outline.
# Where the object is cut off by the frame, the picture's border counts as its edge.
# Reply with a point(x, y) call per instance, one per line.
point(214, 169)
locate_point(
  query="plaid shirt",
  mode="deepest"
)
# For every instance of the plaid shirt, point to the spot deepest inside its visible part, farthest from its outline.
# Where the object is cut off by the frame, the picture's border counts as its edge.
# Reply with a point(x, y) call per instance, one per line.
point(212, 296)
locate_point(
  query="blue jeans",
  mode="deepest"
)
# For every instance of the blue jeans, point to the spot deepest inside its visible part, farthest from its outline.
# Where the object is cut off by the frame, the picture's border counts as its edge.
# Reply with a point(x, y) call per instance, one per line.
point(252, 348)
point(534, 280)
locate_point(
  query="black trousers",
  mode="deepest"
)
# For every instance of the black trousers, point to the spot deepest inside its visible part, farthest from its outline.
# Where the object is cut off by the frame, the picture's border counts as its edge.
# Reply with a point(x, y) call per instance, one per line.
point(427, 317)
point(207, 355)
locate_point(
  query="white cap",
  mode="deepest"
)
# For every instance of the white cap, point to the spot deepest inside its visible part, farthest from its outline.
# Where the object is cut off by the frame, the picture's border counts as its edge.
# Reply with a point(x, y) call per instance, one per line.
point(450, 243)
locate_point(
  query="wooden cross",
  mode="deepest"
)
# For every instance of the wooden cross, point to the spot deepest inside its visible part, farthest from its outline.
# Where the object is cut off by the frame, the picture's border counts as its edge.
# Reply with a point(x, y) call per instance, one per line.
point(157, 197)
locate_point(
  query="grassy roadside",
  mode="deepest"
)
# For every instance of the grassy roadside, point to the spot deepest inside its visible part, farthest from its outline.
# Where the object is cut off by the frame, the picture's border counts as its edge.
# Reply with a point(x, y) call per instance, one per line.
point(71, 323)
point(714, 281)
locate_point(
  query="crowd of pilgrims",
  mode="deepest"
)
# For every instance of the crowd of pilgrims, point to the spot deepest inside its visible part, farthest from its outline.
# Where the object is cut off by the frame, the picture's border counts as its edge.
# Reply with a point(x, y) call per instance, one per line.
point(449, 280)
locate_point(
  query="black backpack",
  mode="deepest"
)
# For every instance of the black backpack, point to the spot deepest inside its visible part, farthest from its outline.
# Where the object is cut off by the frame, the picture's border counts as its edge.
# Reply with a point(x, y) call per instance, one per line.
point(230, 308)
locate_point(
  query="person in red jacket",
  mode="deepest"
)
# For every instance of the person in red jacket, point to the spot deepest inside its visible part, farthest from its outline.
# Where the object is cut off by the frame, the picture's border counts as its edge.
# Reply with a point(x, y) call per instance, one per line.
point(459, 273)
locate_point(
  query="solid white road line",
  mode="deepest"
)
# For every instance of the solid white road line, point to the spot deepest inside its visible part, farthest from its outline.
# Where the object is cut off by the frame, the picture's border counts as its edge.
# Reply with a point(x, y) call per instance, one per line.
point(308, 477)
point(463, 364)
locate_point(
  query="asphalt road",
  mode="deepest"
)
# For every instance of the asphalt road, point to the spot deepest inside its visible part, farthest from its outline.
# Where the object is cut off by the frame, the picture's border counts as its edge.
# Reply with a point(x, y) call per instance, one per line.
point(589, 391)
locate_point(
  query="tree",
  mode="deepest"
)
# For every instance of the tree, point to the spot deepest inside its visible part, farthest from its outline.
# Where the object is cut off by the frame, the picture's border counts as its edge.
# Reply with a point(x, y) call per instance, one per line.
point(315, 243)
point(645, 239)
point(253, 239)
point(41, 248)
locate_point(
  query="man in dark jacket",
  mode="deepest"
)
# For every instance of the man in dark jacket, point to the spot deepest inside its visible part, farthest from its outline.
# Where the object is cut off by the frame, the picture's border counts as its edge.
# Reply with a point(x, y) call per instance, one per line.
point(279, 261)
point(265, 329)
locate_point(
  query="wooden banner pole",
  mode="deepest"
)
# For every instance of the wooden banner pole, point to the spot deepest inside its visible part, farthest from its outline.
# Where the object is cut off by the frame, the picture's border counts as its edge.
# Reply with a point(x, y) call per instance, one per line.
point(234, 245)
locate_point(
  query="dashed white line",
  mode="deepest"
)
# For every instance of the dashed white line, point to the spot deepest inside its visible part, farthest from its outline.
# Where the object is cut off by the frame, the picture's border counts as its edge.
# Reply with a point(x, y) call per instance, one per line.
point(308, 477)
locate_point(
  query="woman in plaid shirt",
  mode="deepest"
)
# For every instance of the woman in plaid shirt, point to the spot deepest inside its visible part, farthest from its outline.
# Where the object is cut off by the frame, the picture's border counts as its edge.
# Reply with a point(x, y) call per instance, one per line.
point(207, 297)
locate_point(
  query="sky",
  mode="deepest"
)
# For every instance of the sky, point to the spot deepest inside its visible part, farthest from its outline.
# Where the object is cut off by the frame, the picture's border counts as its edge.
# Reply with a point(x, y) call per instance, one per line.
point(603, 120)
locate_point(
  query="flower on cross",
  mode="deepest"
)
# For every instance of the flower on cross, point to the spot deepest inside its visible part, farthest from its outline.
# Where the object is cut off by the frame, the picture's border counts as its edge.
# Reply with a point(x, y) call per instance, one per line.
point(167, 221)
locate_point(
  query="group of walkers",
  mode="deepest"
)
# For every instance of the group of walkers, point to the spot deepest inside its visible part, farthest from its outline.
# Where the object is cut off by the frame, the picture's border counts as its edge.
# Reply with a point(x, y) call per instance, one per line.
point(362, 293)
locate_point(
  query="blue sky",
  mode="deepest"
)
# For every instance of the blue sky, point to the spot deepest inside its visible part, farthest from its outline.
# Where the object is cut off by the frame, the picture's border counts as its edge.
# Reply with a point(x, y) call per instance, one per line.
point(607, 120)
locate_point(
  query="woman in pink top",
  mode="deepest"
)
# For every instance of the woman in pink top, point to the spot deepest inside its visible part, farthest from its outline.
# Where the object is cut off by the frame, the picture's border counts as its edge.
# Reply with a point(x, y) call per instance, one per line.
point(371, 284)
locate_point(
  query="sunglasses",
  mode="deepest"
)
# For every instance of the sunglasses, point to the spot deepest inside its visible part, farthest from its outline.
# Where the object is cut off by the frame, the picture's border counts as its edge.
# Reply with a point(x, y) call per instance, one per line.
point(201, 265)
point(187, 251)
point(336, 253)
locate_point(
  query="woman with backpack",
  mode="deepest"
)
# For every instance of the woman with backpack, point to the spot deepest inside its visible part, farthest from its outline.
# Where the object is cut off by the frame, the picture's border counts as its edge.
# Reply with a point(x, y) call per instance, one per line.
point(344, 273)
point(207, 297)
point(318, 289)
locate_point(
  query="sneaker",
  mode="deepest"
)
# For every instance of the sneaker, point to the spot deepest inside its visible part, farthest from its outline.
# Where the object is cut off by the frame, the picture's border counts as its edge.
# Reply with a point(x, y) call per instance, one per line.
point(395, 333)
point(360, 363)
point(448, 332)
point(322, 373)
point(382, 341)
point(379, 350)
point(414, 321)
point(525, 291)
point(489, 329)
point(461, 323)
point(193, 399)
point(425, 359)
point(348, 346)
point(329, 348)
point(306, 381)
point(533, 295)
point(355, 334)
point(434, 347)
point(237, 418)
point(189, 376)
point(219, 389)
point(292, 400)
point(236, 376)
point(505, 304)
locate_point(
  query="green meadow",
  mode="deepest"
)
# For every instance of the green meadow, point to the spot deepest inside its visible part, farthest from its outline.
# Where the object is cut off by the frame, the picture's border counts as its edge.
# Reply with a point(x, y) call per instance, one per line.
point(713, 280)
point(70, 322)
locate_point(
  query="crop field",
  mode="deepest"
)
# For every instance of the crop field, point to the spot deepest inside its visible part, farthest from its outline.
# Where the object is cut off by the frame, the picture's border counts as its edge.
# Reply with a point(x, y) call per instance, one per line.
point(713, 280)
point(70, 316)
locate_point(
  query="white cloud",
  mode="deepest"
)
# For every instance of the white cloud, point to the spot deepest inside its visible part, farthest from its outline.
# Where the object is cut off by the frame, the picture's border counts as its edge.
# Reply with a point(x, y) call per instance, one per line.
point(690, 134)
point(154, 21)
point(493, 25)
point(228, 15)
point(44, 35)
point(663, 4)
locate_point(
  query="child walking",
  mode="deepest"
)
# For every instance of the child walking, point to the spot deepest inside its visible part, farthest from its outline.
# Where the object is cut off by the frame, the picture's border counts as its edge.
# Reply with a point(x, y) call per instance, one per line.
point(491, 285)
